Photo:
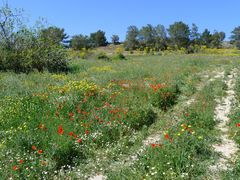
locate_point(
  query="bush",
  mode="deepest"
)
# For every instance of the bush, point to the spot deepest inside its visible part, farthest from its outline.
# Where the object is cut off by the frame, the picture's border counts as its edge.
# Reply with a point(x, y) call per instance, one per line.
point(120, 57)
point(68, 156)
point(23, 49)
point(140, 116)
point(103, 56)
point(165, 97)
point(40, 57)
point(193, 49)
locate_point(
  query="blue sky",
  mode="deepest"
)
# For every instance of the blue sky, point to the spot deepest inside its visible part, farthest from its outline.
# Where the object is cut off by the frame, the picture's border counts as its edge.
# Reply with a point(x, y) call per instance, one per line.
point(114, 16)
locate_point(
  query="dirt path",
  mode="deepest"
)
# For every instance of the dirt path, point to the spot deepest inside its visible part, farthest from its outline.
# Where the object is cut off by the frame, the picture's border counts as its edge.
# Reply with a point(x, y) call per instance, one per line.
point(227, 148)
point(157, 137)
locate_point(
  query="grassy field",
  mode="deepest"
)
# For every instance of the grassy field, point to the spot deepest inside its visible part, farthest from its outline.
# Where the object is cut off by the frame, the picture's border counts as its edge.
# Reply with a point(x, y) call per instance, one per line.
point(95, 118)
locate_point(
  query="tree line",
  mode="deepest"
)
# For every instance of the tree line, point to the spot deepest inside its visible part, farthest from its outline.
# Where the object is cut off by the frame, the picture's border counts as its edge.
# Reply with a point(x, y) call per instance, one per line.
point(23, 49)
point(178, 35)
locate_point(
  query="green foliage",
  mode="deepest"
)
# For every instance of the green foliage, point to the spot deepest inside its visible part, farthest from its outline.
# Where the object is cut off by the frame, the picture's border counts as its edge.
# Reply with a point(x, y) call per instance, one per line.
point(195, 35)
point(179, 34)
point(161, 37)
point(119, 56)
point(206, 38)
point(115, 39)
point(131, 42)
point(147, 36)
point(79, 42)
point(23, 49)
point(103, 56)
point(69, 155)
point(217, 39)
point(53, 35)
point(140, 116)
point(98, 39)
point(235, 38)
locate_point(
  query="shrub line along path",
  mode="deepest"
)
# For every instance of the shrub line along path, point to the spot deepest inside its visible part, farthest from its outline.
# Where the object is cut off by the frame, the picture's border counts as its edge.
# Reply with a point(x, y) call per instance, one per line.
point(157, 137)
point(227, 148)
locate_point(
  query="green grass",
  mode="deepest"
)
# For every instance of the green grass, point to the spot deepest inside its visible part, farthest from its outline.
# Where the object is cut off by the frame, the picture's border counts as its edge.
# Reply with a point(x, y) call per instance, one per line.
point(78, 123)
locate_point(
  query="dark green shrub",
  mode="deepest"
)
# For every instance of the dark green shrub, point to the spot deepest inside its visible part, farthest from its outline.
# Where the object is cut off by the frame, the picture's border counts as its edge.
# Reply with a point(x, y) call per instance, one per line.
point(140, 116)
point(103, 56)
point(68, 156)
point(120, 56)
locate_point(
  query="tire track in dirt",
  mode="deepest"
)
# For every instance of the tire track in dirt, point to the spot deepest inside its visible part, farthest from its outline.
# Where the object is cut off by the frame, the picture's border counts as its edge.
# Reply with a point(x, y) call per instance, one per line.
point(227, 148)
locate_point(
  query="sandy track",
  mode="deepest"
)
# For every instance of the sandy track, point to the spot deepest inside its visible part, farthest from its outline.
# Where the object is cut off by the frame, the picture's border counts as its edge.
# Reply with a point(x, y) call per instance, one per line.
point(227, 148)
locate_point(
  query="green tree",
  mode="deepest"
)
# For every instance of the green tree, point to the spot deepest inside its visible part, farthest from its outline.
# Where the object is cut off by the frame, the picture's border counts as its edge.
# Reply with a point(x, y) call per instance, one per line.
point(79, 42)
point(194, 34)
point(115, 39)
point(147, 36)
point(217, 39)
point(161, 37)
point(132, 42)
point(98, 39)
point(53, 35)
point(235, 38)
point(23, 49)
point(206, 38)
point(179, 34)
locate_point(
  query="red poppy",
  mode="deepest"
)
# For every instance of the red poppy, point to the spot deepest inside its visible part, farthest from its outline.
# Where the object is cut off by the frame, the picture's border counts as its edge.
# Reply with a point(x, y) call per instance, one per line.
point(86, 132)
point(84, 113)
point(20, 161)
point(155, 87)
point(71, 114)
point(153, 145)
point(71, 134)
point(15, 168)
point(79, 140)
point(40, 126)
point(238, 124)
point(40, 151)
point(166, 136)
point(60, 130)
point(34, 148)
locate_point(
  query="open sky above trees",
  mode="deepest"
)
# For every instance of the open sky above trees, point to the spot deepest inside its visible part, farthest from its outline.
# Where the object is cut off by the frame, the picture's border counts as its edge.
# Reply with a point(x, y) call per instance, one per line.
point(114, 17)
